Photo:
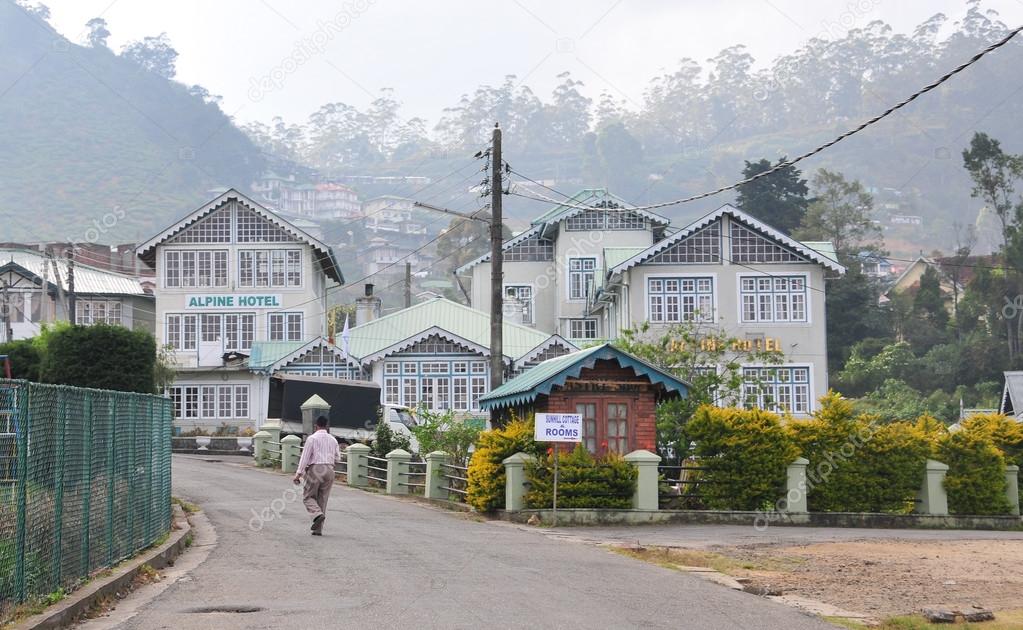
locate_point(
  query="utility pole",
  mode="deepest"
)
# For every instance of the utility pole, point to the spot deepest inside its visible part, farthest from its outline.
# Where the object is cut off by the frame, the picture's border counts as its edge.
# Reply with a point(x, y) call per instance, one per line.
point(5, 310)
point(496, 264)
point(71, 298)
point(408, 284)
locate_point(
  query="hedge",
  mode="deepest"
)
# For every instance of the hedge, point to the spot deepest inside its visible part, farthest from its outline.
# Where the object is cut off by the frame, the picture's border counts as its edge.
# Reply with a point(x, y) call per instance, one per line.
point(101, 356)
point(25, 359)
point(975, 481)
point(583, 481)
point(485, 485)
point(746, 453)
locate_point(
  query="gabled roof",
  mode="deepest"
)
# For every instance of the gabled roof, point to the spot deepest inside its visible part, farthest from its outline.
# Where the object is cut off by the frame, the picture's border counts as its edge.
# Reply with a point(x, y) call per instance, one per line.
point(537, 351)
point(1012, 395)
point(505, 246)
point(542, 378)
point(591, 197)
point(88, 280)
point(270, 356)
point(466, 323)
point(325, 255)
point(803, 249)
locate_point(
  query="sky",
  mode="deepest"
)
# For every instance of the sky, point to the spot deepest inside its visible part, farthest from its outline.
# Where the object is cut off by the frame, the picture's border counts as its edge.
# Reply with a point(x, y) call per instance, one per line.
point(272, 58)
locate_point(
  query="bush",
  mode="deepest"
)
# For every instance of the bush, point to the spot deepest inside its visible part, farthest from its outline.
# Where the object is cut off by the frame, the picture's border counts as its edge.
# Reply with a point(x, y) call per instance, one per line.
point(101, 356)
point(858, 465)
point(387, 440)
point(583, 482)
point(746, 453)
point(485, 485)
point(25, 358)
point(976, 477)
point(442, 432)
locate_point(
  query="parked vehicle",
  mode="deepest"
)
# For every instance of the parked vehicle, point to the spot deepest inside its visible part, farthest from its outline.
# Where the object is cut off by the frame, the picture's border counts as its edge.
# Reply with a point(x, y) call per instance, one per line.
point(355, 408)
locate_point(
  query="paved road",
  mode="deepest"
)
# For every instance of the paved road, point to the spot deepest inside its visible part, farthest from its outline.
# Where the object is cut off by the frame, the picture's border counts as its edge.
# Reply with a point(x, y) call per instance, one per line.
point(390, 563)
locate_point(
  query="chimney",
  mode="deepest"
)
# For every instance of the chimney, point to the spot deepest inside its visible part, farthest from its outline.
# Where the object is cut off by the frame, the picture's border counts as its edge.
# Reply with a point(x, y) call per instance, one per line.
point(367, 307)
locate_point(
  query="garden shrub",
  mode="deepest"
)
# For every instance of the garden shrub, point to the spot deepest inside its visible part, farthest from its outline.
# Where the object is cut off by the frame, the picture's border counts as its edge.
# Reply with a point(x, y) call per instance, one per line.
point(443, 432)
point(583, 481)
point(857, 464)
point(746, 453)
point(485, 486)
point(25, 358)
point(975, 482)
point(386, 440)
point(1005, 432)
point(101, 356)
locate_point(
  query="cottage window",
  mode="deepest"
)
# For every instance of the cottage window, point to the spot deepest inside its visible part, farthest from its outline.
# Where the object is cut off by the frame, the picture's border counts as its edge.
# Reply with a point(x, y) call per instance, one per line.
point(680, 299)
point(785, 389)
point(523, 293)
point(277, 268)
point(435, 385)
point(186, 268)
point(90, 312)
point(285, 326)
point(182, 331)
point(773, 298)
point(582, 328)
point(580, 277)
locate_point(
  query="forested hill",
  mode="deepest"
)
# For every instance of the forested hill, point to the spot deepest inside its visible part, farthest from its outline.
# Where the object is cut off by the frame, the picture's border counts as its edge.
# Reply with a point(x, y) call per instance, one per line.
point(89, 136)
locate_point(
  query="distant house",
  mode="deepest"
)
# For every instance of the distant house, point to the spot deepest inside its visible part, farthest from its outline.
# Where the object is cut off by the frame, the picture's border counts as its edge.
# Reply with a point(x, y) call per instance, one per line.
point(874, 265)
point(36, 290)
point(909, 281)
point(1012, 396)
point(905, 219)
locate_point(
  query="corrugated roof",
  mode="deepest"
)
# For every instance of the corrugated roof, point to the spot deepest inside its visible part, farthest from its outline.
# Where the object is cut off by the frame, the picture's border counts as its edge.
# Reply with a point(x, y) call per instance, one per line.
point(1012, 394)
point(87, 279)
point(468, 323)
point(826, 248)
point(265, 353)
point(544, 376)
point(591, 196)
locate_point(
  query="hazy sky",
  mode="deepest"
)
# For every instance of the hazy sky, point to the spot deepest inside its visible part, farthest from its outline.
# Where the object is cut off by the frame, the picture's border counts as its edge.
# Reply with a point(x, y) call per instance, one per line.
point(273, 57)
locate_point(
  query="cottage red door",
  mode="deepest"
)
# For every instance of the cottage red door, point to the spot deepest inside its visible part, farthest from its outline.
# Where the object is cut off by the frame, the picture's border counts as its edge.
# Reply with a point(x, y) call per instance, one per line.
point(606, 426)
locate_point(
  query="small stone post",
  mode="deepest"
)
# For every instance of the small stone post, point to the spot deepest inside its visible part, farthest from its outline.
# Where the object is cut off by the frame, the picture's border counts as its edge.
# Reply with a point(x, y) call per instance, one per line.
point(397, 471)
point(795, 487)
point(273, 427)
point(515, 481)
point(313, 408)
point(358, 459)
point(259, 441)
point(932, 496)
point(435, 484)
point(646, 494)
point(1012, 488)
point(291, 453)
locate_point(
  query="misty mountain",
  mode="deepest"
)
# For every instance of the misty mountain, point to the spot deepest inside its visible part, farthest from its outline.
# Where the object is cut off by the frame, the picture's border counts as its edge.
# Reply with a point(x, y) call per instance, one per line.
point(98, 147)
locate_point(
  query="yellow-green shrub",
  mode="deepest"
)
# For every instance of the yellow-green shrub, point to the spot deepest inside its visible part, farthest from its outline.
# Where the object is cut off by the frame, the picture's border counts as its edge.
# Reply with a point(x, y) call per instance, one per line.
point(976, 477)
point(858, 465)
point(485, 485)
point(745, 452)
point(583, 481)
point(1005, 432)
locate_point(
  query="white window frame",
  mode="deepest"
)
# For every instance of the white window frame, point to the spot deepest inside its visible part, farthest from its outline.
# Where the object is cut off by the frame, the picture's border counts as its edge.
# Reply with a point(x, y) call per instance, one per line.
point(740, 293)
point(287, 321)
point(86, 312)
point(180, 320)
point(289, 261)
point(581, 320)
point(569, 272)
point(756, 388)
point(529, 317)
point(219, 268)
point(695, 277)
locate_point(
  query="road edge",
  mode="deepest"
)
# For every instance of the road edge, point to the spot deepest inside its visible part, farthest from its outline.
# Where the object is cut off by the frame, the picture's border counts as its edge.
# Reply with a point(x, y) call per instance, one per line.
point(69, 610)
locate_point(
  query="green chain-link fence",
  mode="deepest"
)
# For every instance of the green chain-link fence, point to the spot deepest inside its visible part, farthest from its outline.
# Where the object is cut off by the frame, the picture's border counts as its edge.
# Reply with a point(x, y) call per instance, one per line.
point(85, 479)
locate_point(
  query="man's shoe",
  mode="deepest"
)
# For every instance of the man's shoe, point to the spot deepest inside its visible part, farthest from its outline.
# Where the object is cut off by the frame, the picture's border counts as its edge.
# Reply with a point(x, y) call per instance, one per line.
point(317, 533)
point(317, 522)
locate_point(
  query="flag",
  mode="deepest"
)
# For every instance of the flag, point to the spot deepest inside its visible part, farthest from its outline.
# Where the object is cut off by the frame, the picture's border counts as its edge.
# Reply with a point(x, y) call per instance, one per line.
point(346, 338)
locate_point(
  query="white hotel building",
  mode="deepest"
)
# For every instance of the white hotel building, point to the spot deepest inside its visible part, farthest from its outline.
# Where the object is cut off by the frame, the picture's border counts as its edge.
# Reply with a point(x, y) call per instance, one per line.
point(233, 277)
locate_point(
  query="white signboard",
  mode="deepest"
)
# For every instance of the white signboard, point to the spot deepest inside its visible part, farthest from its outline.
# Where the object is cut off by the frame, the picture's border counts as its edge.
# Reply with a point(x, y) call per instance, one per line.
point(558, 427)
point(216, 301)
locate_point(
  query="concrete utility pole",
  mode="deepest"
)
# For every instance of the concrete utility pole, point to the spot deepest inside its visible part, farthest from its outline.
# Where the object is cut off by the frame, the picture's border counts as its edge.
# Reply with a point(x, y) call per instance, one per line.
point(5, 310)
point(71, 298)
point(408, 284)
point(496, 264)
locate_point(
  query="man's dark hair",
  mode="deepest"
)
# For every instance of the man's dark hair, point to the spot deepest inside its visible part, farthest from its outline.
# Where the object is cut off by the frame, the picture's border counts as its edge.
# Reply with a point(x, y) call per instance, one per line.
point(322, 422)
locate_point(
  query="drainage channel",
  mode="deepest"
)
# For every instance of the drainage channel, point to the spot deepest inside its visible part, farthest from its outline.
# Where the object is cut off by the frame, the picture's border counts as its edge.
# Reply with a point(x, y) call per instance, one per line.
point(225, 609)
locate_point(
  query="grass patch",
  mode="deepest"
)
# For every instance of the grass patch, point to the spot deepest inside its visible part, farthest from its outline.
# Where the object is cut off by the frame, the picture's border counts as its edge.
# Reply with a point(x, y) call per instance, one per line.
point(1004, 620)
point(186, 507)
point(673, 558)
point(188, 540)
point(145, 575)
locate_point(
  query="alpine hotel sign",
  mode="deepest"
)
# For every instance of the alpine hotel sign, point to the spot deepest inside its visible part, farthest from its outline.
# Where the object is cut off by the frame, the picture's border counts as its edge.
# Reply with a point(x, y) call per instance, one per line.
point(233, 300)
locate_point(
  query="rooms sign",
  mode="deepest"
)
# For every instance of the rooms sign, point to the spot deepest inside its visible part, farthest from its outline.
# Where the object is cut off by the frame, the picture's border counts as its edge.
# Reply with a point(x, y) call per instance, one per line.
point(233, 300)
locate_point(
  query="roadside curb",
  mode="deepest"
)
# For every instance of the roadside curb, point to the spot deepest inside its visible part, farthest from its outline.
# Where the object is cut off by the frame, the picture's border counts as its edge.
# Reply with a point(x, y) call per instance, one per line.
point(66, 612)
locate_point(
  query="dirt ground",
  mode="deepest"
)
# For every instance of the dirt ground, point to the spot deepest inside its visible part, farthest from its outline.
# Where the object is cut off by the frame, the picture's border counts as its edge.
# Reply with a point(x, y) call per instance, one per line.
point(884, 578)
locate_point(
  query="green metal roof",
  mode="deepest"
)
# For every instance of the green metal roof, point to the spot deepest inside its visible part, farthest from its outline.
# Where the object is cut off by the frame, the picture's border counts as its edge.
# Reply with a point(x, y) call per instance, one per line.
point(468, 323)
point(265, 353)
point(542, 378)
point(824, 248)
point(589, 196)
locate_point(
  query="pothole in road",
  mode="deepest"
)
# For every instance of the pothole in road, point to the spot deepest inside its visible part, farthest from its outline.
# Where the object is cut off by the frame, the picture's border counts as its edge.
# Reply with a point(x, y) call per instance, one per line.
point(225, 609)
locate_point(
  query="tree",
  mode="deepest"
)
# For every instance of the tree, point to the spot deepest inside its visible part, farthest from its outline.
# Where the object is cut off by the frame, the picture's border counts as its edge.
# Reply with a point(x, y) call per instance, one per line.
point(994, 175)
point(779, 199)
point(853, 314)
point(620, 157)
point(101, 356)
point(569, 114)
point(153, 54)
point(929, 303)
point(840, 213)
point(98, 33)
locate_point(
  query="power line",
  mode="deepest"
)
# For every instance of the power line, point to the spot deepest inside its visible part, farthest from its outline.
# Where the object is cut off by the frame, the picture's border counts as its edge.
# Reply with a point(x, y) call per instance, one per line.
point(786, 163)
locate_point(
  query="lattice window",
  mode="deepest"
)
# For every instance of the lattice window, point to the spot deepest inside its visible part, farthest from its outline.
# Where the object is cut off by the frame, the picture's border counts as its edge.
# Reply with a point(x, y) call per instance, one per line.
point(623, 220)
point(702, 247)
point(215, 228)
point(253, 228)
point(434, 344)
point(750, 247)
point(587, 220)
point(773, 298)
point(554, 351)
point(680, 299)
point(784, 389)
point(532, 249)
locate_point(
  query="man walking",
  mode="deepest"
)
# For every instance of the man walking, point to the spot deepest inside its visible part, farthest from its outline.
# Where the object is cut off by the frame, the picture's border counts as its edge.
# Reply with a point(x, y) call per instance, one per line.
point(318, 458)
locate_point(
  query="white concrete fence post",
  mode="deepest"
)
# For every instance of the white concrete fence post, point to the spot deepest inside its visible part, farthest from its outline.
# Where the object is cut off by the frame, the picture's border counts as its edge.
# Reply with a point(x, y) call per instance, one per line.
point(259, 441)
point(515, 484)
point(1012, 488)
point(291, 453)
point(397, 471)
point(435, 483)
point(795, 487)
point(645, 496)
point(932, 496)
point(358, 460)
